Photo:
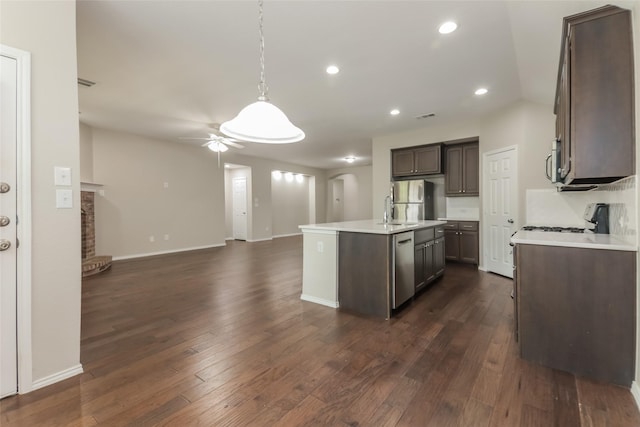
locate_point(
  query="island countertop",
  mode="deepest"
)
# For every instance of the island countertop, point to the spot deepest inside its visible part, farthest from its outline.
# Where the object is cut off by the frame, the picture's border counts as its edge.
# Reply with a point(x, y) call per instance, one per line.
point(572, 240)
point(371, 226)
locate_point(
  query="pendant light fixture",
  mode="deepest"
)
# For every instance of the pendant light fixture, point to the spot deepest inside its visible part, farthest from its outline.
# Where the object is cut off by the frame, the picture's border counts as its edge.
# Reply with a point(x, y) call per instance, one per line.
point(262, 121)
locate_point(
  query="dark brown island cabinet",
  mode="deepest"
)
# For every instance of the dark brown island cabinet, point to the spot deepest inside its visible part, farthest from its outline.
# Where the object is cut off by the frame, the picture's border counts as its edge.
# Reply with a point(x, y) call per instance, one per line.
point(575, 310)
point(461, 241)
point(594, 98)
point(416, 161)
point(429, 256)
point(462, 170)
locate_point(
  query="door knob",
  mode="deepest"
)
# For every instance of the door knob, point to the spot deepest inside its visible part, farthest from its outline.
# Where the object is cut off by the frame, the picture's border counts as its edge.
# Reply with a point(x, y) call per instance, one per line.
point(4, 187)
point(4, 221)
point(510, 221)
point(4, 244)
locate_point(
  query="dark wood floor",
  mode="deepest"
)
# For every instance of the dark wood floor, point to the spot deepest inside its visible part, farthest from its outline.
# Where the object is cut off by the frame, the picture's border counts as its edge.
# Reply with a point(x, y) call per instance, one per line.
point(220, 337)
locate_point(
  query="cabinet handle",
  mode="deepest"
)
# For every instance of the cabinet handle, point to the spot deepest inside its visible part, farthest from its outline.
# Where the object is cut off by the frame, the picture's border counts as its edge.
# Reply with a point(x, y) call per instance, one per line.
point(467, 226)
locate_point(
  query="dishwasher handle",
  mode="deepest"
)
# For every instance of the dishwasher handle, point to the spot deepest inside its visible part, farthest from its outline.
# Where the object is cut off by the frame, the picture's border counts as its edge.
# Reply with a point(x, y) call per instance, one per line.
point(401, 242)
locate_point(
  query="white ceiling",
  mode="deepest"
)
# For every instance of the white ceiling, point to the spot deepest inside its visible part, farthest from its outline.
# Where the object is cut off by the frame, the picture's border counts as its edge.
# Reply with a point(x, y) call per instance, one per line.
point(167, 69)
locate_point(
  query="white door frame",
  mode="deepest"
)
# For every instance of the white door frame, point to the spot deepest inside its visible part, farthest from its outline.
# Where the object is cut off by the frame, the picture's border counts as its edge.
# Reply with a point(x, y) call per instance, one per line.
point(23, 153)
point(485, 190)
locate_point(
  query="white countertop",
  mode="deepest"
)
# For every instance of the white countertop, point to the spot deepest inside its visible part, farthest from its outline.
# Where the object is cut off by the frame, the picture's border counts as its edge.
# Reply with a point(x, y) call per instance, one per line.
point(458, 219)
point(572, 240)
point(371, 226)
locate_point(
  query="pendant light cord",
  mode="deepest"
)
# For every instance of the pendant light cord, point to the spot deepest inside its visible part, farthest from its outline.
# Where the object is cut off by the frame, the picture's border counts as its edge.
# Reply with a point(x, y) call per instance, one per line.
point(262, 86)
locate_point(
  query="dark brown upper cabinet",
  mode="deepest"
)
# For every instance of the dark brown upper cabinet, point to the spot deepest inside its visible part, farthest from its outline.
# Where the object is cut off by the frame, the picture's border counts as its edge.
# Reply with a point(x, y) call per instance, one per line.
point(416, 161)
point(594, 103)
point(462, 166)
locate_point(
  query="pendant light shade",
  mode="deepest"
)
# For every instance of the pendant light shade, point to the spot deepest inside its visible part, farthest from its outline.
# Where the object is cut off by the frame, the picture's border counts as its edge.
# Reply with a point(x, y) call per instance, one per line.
point(262, 122)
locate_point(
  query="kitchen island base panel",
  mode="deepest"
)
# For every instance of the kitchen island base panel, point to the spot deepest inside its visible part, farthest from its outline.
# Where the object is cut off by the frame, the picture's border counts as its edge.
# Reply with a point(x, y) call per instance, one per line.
point(576, 310)
point(365, 278)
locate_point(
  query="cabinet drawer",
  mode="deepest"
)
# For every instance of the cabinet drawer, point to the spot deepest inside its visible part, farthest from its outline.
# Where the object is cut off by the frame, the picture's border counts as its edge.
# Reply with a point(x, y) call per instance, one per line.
point(451, 225)
point(439, 232)
point(421, 236)
point(468, 226)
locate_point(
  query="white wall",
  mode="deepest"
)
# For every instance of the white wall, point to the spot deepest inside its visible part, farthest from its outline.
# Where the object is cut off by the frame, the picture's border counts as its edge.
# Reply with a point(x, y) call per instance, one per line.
point(357, 192)
point(291, 205)
point(56, 255)
point(153, 189)
point(133, 170)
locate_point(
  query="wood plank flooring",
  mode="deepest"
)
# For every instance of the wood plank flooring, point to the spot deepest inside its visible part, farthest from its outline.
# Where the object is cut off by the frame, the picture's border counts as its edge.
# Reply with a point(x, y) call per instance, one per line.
point(220, 337)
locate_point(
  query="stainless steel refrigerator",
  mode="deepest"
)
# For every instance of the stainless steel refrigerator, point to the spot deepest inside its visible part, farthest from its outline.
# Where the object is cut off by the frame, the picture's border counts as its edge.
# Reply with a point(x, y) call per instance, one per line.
point(412, 200)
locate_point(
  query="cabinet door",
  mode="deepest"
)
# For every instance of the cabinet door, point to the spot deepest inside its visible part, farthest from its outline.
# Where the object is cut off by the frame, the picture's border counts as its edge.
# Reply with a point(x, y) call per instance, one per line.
point(451, 245)
point(564, 114)
point(418, 261)
point(470, 179)
point(402, 163)
point(438, 256)
point(427, 160)
point(429, 268)
point(469, 246)
point(453, 172)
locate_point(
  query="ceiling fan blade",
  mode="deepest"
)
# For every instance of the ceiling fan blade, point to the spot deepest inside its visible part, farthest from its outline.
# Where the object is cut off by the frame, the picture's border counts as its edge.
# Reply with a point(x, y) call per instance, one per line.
point(230, 143)
point(194, 138)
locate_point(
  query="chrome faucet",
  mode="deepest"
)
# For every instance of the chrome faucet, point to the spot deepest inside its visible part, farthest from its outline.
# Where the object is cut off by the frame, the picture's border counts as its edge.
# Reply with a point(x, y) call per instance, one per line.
point(388, 203)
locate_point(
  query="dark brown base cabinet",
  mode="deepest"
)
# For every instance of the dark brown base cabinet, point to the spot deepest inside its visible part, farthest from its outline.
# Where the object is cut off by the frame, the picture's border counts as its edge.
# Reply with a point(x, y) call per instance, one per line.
point(575, 310)
point(461, 241)
point(429, 256)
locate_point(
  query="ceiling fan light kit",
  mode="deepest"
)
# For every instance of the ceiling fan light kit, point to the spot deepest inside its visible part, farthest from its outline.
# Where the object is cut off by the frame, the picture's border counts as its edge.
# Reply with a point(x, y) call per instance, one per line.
point(262, 121)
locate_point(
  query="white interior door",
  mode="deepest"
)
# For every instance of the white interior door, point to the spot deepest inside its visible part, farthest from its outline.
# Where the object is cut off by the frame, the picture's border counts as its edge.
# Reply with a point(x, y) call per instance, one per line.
point(8, 256)
point(240, 208)
point(500, 208)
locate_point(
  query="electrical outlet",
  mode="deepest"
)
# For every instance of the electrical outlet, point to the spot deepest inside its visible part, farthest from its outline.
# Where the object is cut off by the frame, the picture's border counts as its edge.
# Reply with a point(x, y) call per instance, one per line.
point(320, 246)
point(152, 239)
point(166, 237)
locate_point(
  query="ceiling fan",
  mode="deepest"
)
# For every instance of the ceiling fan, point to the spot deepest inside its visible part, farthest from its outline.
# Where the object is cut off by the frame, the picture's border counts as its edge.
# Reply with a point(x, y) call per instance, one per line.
point(216, 143)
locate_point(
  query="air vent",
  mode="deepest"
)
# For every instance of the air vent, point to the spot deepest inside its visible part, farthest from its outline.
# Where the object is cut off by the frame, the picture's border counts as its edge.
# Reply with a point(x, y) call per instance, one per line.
point(87, 83)
point(426, 116)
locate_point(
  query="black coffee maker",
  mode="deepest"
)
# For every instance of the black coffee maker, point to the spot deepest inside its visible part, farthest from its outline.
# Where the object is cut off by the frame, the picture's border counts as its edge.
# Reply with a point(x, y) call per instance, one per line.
point(596, 217)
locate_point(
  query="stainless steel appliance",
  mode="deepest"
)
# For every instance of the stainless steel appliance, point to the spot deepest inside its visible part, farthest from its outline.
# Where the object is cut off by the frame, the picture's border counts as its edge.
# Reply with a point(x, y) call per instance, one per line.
point(412, 200)
point(556, 174)
point(403, 271)
point(596, 216)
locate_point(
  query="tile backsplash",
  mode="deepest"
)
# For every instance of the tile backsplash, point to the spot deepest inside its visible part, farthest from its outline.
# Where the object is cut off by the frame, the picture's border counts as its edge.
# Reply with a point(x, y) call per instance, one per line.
point(549, 207)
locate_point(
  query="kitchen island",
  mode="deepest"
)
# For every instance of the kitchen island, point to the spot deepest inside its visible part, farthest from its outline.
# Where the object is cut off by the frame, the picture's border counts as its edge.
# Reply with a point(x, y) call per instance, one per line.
point(367, 266)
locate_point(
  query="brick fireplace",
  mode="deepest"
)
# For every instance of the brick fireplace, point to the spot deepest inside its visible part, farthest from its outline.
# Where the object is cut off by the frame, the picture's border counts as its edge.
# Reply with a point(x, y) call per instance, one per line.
point(91, 264)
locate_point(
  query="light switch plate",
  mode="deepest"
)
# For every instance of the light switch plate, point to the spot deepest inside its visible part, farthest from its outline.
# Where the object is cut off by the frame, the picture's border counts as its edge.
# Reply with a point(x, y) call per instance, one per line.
point(64, 199)
point(62, 176)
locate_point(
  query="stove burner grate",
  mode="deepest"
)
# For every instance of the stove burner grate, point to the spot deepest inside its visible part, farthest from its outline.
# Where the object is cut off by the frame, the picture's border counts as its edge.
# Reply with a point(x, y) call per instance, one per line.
point(555, 229)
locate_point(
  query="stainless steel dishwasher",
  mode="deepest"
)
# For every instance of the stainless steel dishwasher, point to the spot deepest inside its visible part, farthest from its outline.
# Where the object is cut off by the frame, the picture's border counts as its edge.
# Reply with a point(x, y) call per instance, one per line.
point(403, 270)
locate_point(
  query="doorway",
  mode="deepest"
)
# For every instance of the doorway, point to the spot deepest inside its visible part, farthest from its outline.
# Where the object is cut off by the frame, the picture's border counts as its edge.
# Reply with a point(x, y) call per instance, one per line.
point(239, 191)
point(15, 263)
point(500, 181)
point(343, 195)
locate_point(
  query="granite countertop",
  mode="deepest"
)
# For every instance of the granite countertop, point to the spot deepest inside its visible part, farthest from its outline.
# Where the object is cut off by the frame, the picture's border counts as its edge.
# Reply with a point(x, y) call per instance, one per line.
point(459, 219)
point(371, 226)
point(572, 240)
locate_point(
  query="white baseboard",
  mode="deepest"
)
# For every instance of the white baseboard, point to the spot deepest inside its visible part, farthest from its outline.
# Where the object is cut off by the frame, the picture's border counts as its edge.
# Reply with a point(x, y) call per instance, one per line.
point(635, 392)
point(287, 235)
point(58, 376)
point(171, 251)
point(260, 240)
point(321, 301)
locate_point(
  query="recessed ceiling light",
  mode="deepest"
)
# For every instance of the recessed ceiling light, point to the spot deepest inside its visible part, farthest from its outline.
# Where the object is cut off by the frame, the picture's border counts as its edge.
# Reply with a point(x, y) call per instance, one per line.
point(332, 69)
point(394, 112)
point(481, 91)
point(448, 27)
point(350, 159)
